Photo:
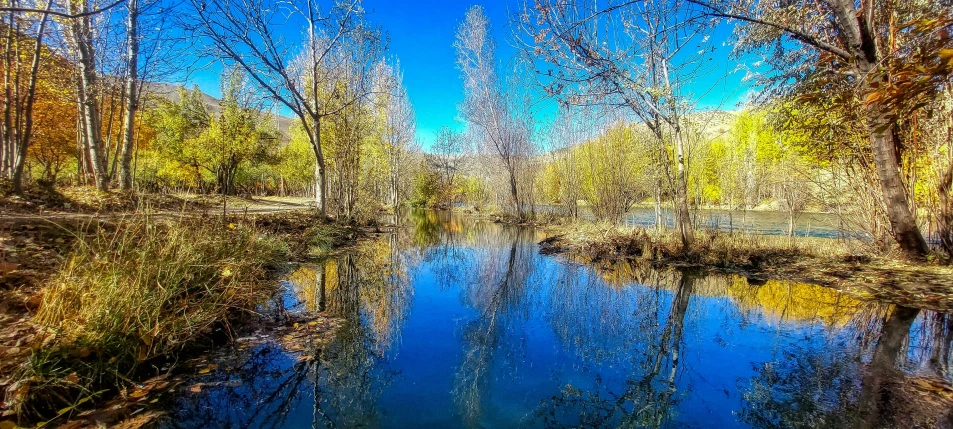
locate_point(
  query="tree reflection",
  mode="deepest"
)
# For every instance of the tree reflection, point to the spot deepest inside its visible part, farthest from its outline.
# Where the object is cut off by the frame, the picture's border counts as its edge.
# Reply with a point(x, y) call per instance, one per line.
point(804, 387)
point(616, 333)
point(260, 391)
point(500, 294)
point(832, 386)
point(339, 381)
point(648, 398)
point(370, 289)
point(438, 238)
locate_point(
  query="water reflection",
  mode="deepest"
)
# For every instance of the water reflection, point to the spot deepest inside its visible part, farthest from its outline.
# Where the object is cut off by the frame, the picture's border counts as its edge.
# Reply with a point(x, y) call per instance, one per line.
point(453, 322)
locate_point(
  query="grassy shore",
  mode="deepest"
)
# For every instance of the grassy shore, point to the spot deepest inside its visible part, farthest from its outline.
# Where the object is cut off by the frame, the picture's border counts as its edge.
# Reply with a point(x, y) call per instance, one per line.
point(114, 303)
point(848, 265)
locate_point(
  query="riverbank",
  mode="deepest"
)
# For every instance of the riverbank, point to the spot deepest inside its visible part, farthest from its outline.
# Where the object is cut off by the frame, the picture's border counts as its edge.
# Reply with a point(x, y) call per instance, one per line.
point(99, 316)
point(844, 265)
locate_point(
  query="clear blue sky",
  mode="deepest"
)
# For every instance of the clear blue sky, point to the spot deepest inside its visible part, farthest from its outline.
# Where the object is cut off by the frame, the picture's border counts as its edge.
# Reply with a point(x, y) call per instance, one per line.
point(421, 37)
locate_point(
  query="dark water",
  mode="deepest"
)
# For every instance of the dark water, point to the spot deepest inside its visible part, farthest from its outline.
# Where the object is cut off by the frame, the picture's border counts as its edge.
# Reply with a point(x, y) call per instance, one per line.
point(458, 323)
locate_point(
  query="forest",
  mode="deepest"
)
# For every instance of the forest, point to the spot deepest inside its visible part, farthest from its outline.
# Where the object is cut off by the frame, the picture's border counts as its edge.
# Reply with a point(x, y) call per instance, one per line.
point(126, 124)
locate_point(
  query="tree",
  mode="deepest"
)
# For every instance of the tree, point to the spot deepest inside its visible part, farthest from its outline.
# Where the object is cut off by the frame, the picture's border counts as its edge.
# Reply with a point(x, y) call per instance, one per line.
point(398, 126)
point(216, 144)
point(80, 35)
point(611, 179)
point(637, 55)
point(447, 156)
point(131, 92)
point(240, 133)
point(498, 118)
point(243, 32)
point(571, 127)
point(886, 58)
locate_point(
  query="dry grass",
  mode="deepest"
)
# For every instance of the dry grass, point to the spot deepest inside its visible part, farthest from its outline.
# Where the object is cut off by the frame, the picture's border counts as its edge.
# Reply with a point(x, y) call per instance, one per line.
point(133, 295)
point(852, 266)
point(738, 250)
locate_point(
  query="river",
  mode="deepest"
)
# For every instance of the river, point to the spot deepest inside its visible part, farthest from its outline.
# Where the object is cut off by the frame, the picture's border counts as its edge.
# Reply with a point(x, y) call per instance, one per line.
point(456, 322)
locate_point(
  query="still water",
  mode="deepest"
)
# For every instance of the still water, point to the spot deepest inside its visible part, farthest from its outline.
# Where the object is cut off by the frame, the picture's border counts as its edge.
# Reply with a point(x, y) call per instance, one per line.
point(453, 322)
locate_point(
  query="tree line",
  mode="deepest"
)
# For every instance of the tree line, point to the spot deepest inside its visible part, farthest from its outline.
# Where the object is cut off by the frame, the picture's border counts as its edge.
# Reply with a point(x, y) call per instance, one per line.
point(852, 114)
point(81, 98)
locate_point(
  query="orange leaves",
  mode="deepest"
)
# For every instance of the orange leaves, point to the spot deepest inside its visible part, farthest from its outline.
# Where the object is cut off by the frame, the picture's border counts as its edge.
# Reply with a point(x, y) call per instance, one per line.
point(872, 98)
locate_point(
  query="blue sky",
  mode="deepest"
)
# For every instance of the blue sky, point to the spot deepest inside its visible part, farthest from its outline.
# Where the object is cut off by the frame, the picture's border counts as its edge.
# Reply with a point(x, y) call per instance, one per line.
point(421, 37)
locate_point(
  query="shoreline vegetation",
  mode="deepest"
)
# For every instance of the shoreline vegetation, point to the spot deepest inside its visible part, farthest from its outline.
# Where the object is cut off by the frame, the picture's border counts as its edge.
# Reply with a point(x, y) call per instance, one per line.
point(847, 265)
point(103, 313)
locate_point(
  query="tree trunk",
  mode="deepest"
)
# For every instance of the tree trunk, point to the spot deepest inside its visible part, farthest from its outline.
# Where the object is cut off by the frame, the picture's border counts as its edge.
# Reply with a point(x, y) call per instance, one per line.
point(8, 100)
point(945, 217)
point(82, 41)
point(874, 399)
point(681, 190)
point(24, 139)
point(395, 188)
point(132, 94)
point(791, 223)
point(514, 195)
point(320, 172)
point(902, 221)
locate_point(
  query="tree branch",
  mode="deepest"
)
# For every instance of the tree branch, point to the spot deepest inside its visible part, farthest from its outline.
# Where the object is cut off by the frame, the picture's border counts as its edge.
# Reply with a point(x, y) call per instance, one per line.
point(793, 32)
point(61, 14)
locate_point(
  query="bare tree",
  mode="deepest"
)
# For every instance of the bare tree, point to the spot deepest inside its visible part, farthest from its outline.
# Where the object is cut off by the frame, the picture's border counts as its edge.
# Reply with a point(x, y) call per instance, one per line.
point(447, 156)
point(499, 117)
point(570, 128)
point(244, 32)
point(45, 13)
point(640, 55)
point(131, 92)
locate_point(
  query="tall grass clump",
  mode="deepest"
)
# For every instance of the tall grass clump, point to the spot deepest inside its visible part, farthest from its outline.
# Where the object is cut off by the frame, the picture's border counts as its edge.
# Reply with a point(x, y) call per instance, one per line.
point(136, 293)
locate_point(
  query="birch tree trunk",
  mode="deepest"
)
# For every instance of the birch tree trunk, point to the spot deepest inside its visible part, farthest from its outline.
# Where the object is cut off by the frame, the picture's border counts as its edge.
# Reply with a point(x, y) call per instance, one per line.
point(132, 94)
point(82, 42)
point(686, 232)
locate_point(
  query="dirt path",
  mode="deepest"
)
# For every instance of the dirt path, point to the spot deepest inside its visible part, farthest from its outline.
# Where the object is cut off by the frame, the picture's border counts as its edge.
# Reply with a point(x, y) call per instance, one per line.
point(234, 206)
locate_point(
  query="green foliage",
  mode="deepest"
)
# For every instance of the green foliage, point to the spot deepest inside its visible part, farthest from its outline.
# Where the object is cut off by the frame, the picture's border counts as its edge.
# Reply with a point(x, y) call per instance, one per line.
point(194, 146)
point(296, 163)
point(473, 190)
point(427, 190)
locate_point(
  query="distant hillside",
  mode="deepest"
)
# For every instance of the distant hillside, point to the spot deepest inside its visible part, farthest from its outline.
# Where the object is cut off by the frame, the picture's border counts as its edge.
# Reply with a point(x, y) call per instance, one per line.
point(171, 93)
point(712, 123)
